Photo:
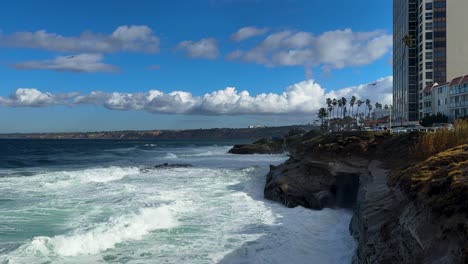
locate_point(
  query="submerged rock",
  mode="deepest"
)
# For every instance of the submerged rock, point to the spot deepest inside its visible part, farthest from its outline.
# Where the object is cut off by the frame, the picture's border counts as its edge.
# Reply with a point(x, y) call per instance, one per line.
point(166, 166)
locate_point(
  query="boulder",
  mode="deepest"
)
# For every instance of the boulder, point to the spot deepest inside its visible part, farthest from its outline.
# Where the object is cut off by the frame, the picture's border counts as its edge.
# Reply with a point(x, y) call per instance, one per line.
point(262, 146)
point(312, 184)
point(166, 166)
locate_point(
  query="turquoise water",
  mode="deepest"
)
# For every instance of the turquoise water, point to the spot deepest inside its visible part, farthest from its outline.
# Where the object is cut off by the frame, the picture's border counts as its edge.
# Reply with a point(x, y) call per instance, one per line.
point(85, 201)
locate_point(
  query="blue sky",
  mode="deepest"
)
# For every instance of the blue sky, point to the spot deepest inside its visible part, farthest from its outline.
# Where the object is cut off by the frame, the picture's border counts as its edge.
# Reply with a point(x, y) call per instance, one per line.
point(62, 53)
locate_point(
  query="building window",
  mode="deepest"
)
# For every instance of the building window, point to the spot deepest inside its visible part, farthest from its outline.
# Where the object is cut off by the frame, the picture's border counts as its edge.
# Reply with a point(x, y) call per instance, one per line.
point(440, 34)
point(428, 45)
point(429, 55)
point(439, 54)
point(428, 35)
point(428, 6)
point(439, 5)
point(428, 15)
point(428, 75)
point(440, 44)
point(429, 65)
point(440, 24)
point(439, 14)
point(429, 26)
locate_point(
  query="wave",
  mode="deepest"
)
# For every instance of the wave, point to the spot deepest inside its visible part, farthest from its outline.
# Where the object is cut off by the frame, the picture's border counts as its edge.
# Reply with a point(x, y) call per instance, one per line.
point(171, 156)
point(103, 236)
point(102, 174)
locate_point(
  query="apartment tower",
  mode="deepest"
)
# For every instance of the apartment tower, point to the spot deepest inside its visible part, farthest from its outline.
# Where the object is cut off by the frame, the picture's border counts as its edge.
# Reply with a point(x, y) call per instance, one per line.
point(430, 45)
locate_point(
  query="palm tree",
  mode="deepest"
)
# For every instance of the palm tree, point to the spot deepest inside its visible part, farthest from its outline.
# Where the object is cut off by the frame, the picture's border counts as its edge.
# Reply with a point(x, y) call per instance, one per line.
point(359, 103)
point(370, 109)
point(334, 103)
point(329, 106)
point(408, 40)
point(386, 107)
point(340, 105)
point(343, 102)
point(322, 114)
point(368, 103)
point(351, 104)
point(378, 105)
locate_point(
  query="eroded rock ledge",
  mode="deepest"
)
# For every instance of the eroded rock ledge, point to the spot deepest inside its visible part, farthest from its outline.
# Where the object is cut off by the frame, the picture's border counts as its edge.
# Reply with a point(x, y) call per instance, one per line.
point(313, 183)
point(421, 217)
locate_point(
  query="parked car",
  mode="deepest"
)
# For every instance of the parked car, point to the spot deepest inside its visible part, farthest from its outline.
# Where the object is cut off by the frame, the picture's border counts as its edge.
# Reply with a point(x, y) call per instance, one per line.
point(444, 125)
point(399, 130)
point(367, 129)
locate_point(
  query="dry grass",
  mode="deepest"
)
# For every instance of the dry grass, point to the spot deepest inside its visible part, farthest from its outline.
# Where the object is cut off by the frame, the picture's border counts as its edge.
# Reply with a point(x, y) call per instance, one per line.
point(440, 181)
point(441, 140)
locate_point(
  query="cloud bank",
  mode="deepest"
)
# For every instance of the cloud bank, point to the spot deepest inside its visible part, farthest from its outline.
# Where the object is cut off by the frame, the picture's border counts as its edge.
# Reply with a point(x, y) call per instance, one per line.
point(247, 32)
point(330, 50)
point(72, 63)
point(134, 38)
point(304, 97)
point(31, 97)
point(206, 48)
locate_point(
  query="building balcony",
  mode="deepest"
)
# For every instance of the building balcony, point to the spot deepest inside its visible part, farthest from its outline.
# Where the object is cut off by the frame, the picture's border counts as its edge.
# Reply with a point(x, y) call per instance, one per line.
point(460, 90)
point(459, 104)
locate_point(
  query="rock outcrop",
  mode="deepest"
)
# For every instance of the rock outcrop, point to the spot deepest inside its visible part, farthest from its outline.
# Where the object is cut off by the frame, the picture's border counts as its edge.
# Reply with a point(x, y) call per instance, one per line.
point(275, 145)
point(313, 184)
point(166, 166)
point(263, 146)
point(420, 217)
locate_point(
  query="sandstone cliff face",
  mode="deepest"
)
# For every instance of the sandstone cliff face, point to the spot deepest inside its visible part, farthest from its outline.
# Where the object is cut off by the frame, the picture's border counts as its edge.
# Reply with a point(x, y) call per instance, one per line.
point(422, 217)
point(313, 184)
point(391, 228)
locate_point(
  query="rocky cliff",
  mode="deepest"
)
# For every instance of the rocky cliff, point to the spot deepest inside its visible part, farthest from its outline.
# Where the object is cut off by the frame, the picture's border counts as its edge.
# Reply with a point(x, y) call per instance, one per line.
point(420, 217)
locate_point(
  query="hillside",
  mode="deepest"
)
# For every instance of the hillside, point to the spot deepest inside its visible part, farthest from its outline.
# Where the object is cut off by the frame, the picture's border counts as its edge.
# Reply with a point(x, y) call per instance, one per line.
point(191, 134)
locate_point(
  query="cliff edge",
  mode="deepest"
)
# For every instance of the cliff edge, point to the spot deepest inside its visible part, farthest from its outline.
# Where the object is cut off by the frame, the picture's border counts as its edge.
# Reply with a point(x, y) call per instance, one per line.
point(406, 210)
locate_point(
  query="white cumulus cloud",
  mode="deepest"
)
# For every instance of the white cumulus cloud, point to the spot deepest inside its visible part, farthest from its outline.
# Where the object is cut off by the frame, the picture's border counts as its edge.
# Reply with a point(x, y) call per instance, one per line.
point(304, 97)
point(135, 38)
point(206, 48)
point(247, 32)
point(331, 50)
point(31, 97)
point(73, 63)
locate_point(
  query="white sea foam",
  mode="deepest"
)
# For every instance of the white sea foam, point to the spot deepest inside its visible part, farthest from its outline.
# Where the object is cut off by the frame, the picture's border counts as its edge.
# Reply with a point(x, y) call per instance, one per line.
point(170, 156)
point(105, 235)
point(216, 209)
point(91, 175)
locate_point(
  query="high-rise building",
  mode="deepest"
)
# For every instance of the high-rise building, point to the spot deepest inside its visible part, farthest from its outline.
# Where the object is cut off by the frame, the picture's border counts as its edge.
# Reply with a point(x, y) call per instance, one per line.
point(430, 45)
point(405, 80)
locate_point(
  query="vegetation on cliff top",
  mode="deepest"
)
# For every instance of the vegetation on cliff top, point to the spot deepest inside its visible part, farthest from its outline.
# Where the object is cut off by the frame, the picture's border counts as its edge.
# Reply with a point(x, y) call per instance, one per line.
point(441, 181)
point(430, 167)
point(432, 143)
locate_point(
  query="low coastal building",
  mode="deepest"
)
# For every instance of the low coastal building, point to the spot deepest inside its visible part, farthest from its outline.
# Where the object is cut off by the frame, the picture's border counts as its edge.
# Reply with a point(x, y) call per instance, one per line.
point(459, 97)
point(450, 99)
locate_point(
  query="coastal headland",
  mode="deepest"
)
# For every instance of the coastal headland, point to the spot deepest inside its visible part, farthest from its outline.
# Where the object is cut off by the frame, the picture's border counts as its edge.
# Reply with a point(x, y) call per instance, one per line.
point(189, 134)
point(410, 205)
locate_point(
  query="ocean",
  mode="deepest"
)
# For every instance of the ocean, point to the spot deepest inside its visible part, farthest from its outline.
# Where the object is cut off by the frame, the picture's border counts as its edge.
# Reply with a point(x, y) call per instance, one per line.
point(100, 201)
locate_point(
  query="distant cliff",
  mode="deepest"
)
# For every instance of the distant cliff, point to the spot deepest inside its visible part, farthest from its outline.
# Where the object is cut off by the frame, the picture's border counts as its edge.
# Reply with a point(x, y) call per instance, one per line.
point(195, 134)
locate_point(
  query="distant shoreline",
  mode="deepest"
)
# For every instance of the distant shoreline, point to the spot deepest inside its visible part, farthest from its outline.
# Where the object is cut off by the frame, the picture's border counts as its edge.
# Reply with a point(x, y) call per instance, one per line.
point(189, 134)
